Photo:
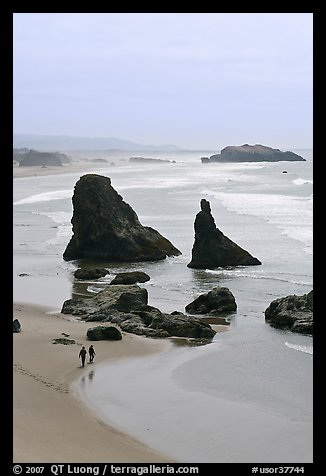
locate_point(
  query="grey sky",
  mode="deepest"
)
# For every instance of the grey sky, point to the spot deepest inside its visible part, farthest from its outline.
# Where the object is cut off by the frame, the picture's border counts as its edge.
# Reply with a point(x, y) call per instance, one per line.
point(197, 80)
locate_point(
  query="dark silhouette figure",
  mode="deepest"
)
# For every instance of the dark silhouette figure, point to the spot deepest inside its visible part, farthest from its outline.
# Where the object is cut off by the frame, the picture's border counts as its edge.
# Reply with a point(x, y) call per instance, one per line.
point(91, 352)
point(82, 354)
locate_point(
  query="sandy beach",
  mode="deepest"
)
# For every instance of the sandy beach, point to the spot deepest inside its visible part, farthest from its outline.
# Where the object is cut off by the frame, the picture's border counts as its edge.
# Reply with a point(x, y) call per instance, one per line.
point(73, 167)
point(50, 423)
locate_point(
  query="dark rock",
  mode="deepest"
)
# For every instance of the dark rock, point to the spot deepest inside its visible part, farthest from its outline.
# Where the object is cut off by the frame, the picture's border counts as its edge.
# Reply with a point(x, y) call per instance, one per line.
point(105, 227)
point(93, 273)
point(135, 324)
point(104, 333)
point(253, 153)
point(219, 299)
point(292, 312)
point(23, 275)
point(131, 278)
point(130, 300)
point(180, 325)
point(126, 306)
point(102, 315)
point(212, 249)
point(120, 297)
point(63, 341)
point(151, 322)
point(77, 307)
point(16, 325)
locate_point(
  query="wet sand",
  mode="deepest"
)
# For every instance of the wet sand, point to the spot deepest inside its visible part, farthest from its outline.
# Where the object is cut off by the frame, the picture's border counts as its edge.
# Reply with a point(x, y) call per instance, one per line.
point(51, 424)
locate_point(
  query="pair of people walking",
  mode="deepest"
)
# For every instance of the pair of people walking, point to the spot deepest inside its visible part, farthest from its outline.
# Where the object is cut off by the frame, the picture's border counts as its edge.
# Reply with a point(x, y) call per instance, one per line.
point(83, 353)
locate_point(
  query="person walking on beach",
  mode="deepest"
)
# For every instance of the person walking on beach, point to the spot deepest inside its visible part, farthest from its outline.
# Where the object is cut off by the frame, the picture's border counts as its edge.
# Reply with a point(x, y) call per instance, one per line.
point(82, 354)
point(91, 352)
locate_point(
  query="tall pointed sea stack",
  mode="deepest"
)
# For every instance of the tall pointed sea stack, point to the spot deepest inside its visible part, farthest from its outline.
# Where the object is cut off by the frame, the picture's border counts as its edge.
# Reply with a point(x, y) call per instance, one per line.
point(107, 228)
point(212, 249)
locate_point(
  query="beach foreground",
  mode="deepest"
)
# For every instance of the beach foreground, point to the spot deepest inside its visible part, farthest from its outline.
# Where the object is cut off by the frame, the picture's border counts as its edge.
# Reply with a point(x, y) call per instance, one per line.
point(50, 423)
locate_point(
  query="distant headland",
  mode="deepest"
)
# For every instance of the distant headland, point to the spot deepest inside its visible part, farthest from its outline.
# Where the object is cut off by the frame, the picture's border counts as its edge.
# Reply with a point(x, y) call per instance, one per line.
point(252, 153)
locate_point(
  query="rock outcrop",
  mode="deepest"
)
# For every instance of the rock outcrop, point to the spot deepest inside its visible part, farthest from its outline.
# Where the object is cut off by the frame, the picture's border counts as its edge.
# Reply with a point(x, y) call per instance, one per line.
point(103, 333)
point(151, 322)
point(292, 312)
point(212, 249)
point(219, 299)
point(120, 297)
point(131, 277)
point(16, 325)
point(107, 228)
point(93, 273)
point(252, 153)
point(126, 306)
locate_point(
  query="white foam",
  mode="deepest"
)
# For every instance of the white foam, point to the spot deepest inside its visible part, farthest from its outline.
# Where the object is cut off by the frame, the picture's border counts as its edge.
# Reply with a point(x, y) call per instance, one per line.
point(307, 349)
point(64, 230)
point(301, 181)
point(292, 214)
point(244, 272)
point(63, 218)
point(45, 197)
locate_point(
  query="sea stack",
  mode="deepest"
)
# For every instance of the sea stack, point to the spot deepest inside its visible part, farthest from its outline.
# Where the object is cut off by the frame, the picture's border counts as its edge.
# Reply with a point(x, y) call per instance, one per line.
point(107, 228)
point(212, 249)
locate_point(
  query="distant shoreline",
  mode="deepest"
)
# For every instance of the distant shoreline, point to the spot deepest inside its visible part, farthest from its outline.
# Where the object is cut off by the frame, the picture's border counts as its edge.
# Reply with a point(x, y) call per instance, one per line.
point(75, 167)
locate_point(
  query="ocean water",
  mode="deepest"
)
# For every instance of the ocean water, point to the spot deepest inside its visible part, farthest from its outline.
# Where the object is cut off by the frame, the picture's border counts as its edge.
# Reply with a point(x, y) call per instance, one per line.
point(247, 396)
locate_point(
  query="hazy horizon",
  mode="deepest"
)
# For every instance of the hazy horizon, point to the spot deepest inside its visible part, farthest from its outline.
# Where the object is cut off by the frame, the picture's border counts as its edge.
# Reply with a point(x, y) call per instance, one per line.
point(146, 147)
point(195, 80)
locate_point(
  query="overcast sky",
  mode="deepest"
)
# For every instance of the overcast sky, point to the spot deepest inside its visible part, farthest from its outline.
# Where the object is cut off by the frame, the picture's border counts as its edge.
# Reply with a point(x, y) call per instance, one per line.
point(197, 80)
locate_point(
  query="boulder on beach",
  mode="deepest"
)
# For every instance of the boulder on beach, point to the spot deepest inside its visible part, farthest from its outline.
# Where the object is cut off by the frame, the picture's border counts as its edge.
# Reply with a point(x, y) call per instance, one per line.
point(219, 299)
point(212, 249)
point(107, 228)
point(93, 273)
point(16, 325)
point(131, 277)
point(103, 333)
point(253, 153)
point(119, 297)
point(292, 312)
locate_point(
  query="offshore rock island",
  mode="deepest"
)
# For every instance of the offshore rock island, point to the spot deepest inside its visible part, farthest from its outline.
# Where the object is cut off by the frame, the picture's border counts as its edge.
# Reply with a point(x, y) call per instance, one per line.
point(252, 153)
point(107, 228)
point(212, 249)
